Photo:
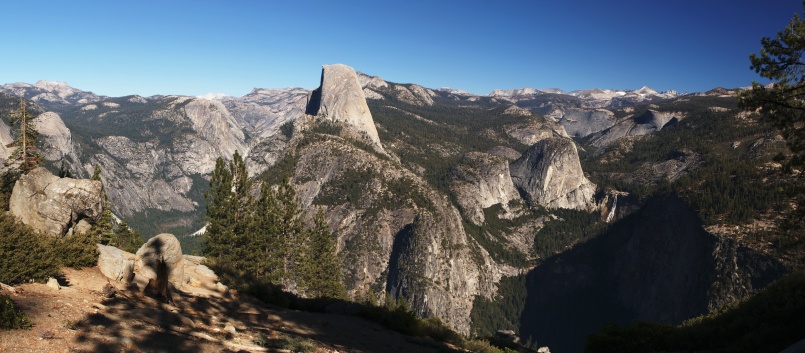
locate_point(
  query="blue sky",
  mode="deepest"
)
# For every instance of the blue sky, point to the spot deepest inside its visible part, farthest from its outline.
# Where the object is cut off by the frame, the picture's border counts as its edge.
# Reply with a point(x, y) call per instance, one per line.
point(118, 48)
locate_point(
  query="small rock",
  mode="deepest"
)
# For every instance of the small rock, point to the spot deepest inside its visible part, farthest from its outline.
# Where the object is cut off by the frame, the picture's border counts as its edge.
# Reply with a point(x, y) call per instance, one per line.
point(231, 329)
point(186, 321)
point(53, 283)
point(221, 288)
point(127, 343)
point(7, 288)
point(108, 291)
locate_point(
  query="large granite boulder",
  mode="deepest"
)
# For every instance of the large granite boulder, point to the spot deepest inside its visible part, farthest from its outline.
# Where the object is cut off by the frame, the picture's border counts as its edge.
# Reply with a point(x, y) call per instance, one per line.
point(115, 264)
point(161, 249)
point(550, 174)
point(55, 205)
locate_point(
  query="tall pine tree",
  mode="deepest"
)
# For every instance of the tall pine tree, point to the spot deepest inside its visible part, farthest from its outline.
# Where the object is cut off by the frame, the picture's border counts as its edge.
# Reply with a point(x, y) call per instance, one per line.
point(291, 232)
point(227, 243)
point(322, 270)
point(265, 229)
point(25, 143)
point(102, 229)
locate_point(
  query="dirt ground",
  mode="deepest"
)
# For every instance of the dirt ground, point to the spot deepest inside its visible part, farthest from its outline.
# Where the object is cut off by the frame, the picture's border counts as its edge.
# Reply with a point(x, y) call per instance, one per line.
point(89, 315)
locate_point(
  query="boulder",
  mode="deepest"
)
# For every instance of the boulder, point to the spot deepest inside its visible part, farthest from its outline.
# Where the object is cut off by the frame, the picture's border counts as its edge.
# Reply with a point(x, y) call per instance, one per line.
point(114, 264)
point(163, 248)
point(53, 283)
point(198, 275)
point(550, 174)
point(55, 205)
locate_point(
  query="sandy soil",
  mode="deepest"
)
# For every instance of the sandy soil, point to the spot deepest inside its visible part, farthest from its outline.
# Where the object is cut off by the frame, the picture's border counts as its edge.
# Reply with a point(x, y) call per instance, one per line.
point(88, 314)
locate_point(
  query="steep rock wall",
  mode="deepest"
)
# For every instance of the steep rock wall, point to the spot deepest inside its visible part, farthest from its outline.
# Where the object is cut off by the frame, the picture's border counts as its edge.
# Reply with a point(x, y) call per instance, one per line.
point(340, 98)
point(479, 181)
point(550, 174)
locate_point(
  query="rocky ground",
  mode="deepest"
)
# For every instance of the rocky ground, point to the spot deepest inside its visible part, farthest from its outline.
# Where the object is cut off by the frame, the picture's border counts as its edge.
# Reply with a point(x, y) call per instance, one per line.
point(88, 314)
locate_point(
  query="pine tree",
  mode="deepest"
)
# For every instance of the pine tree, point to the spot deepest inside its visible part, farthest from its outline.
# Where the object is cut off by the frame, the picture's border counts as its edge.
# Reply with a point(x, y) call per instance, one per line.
point(96, 173)
point(227, 242)
point(102, 229)
point(290, 231)
point(322, 266)
point(266, 232)
point(26, 140)
point(783, 102)
point(126, 238)
point(220, 224)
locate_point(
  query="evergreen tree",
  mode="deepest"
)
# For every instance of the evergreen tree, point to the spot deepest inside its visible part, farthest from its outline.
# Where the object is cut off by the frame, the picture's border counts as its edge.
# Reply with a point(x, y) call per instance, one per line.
point(266, 232)
point(291, 232)
point(227, 242)
point(220, 224)
point(322, 266)
point(25, 152)
point(126, 238)
point(102, 229)
point(96, 173)
point(783, 102)
point(63, 171)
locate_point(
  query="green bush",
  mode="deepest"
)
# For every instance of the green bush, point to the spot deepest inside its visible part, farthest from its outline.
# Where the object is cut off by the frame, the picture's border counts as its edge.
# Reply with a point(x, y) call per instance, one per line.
point(10, 316)
point(25, 255)
point(77, 251)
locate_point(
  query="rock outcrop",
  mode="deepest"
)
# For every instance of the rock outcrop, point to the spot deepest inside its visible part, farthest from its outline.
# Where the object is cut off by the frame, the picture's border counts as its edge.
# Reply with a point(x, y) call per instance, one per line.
point(340, 98)
point(55, 205)
point(636, 125)
point(395, 233)
point(582, 122)
point(480, 181)
point(56, 138)
point(161, 249)
point(5, 140)
point(550, 174)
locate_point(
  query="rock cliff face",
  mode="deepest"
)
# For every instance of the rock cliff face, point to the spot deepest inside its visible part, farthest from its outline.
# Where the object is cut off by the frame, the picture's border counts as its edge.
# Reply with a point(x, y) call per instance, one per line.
point(262, 111)
point(550, 174)
point(480, 181)
point(657, 265)
point(341, 99)
point(395, 233)
point(144, 165)
point(644, 124)
point(55, 205)
point(57, 140)
point(5, 140)
point(582, 122)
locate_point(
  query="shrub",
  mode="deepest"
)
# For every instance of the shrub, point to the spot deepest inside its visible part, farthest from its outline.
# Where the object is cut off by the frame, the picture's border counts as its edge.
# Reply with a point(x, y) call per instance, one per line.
point(25, 255)
point(12, 317)
point(77, 251)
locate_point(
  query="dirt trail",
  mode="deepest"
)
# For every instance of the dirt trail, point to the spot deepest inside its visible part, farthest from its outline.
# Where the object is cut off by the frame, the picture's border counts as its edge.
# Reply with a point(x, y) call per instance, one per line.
point(83, 316)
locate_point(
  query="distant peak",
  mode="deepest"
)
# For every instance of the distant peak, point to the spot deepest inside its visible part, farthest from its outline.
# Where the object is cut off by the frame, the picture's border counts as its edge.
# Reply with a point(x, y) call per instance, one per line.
point(54, 86)
point(213, 96)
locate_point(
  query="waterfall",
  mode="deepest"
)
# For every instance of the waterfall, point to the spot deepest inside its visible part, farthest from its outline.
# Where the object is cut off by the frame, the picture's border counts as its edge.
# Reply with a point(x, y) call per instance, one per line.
point(611, 214)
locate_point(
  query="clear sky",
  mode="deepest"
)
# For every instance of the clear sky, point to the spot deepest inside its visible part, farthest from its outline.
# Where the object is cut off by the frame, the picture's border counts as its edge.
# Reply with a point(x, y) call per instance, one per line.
point(195, 47)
